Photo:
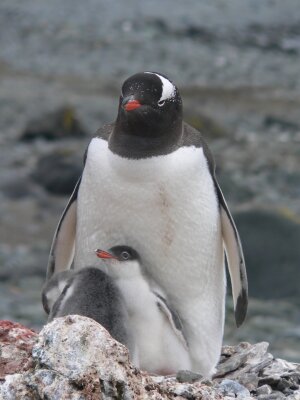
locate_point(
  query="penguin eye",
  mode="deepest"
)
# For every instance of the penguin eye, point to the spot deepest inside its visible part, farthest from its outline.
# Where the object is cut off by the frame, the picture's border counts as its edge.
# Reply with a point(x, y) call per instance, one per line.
point(125, 255)
point(161, 103)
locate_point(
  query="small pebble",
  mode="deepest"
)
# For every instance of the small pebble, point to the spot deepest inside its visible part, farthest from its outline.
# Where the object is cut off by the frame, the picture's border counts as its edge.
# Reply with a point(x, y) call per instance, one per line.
point(188, 376)
point(158, 379)
point(228, 387)
point(287, 391)
point(273, 396)
point(270, 380)
point(265, 389)
point(185, 391)
point(294, 396)
point(283, 384)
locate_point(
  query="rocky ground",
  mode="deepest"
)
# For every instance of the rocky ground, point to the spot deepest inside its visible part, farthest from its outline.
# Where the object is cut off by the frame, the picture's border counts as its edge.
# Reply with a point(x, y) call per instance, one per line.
point(61, 67)
point(75, 358)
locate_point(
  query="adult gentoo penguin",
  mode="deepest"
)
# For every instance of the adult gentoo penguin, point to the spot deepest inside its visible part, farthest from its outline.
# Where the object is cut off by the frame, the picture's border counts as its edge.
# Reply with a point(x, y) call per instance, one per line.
point(91, 293)
point(160, 346)
point(149, 181)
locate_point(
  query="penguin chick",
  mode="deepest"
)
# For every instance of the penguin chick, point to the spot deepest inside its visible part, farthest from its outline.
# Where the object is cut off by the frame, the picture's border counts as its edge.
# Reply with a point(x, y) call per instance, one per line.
point(90, 293)
point(157, 329)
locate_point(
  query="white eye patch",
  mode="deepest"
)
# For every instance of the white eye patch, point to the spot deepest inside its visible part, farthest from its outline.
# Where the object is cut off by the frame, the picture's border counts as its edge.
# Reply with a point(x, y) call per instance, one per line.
point(168, 89)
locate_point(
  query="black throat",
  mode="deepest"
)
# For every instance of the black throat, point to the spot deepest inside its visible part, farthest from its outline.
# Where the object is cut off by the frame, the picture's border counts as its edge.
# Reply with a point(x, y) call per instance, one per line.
point(136, 142)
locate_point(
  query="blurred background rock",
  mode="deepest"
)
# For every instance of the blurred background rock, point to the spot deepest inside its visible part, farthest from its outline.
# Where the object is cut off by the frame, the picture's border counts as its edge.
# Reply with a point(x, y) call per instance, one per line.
point(237, 66)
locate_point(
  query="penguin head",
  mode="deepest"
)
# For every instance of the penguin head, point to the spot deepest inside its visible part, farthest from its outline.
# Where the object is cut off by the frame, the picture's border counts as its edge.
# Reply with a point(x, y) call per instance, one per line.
point(118, 253)
point(149, 120)
point(126, 255)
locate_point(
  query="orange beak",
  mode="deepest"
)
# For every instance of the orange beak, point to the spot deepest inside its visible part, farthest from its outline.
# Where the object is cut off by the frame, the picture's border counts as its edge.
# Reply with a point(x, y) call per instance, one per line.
point(132, 105)
point(104, 255)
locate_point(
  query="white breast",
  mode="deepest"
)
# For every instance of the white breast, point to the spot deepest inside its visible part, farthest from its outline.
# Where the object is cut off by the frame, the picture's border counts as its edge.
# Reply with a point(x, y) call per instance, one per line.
point(165, 207)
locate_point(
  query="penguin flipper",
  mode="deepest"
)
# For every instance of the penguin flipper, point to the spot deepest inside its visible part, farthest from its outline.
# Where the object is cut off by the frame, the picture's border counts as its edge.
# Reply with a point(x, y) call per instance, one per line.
point(63, 244)
point(235, 260)
point(172, 316)
point(53, 288)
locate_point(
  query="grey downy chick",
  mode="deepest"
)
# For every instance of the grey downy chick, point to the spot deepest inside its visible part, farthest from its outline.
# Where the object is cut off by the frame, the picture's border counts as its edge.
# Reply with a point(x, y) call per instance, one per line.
point(157, 330)
point(91, 293)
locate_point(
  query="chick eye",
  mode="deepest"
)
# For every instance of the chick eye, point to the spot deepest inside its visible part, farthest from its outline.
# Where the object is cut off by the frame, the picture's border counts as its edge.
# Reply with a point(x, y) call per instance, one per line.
point(125, 255)
point(161, 103)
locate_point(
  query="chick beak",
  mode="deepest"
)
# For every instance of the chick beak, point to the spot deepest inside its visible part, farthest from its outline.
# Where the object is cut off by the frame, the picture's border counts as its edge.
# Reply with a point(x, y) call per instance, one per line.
point(104, 255)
